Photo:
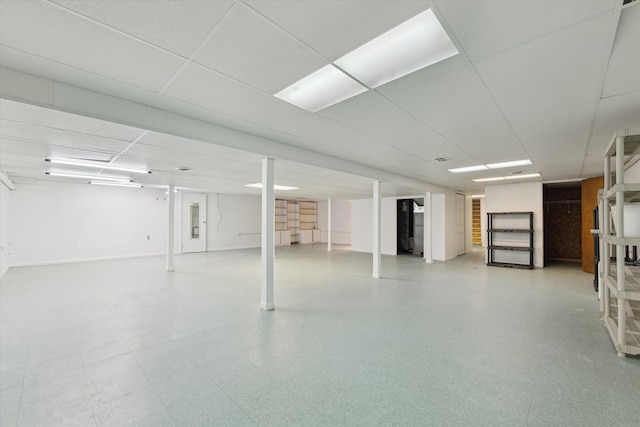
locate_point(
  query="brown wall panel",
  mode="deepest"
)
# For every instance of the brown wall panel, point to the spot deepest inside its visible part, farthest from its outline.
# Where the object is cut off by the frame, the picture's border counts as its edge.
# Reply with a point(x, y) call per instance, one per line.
point(590, 189)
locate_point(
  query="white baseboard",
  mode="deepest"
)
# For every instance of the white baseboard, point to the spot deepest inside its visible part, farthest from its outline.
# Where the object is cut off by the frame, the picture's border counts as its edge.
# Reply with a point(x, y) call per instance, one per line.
point(73, 261)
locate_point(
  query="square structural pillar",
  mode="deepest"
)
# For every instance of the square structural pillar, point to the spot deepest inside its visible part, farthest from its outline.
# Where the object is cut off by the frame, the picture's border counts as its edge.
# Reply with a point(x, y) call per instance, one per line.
point(377, 257)
point(329, 231)
point(268, 226)
point(171, 228)
point(428, 228)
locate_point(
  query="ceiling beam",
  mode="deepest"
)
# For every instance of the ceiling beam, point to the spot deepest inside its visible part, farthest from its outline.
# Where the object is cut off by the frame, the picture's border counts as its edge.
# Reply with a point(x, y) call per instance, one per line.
point(41, 91)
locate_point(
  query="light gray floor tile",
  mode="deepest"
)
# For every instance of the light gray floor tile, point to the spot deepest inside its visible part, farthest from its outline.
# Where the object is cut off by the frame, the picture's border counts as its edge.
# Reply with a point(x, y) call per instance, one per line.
point(455, 343)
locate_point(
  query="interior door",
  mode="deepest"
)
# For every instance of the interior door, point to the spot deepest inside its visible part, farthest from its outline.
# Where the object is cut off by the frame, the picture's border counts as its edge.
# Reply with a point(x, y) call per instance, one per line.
point(460, 223)
point(194, 222)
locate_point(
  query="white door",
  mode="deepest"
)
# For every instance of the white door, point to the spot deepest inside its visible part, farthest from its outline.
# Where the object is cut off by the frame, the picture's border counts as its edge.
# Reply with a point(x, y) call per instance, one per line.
point(460, 223)
point(194, 222)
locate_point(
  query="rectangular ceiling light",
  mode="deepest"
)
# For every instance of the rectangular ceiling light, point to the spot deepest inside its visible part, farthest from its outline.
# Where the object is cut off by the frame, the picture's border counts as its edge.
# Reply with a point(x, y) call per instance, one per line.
point(509, 164)
point(477, 196)
point(323, 88)
point(502, 178)
point(469, 169)
point(95, 165)
point(497, 178)
point(275, 187)
point(90, 177)
point(415, 44)
point(117, 184)
point(529, 175)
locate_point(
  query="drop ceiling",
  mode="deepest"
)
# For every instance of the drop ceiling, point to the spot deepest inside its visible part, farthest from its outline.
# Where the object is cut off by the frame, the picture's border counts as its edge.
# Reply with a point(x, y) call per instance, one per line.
point(545, 80)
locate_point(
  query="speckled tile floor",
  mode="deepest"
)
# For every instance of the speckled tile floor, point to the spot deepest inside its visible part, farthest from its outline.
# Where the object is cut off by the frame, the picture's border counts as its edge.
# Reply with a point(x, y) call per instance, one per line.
point(123, 342)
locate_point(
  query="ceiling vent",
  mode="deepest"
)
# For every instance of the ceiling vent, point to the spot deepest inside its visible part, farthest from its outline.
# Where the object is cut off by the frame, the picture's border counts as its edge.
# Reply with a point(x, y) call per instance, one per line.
point(442, 159)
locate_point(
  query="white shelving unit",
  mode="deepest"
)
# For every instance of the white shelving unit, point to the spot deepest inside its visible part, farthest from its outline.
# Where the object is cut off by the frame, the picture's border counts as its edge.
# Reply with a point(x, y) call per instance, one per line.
point(620, 284)
point(293, 220)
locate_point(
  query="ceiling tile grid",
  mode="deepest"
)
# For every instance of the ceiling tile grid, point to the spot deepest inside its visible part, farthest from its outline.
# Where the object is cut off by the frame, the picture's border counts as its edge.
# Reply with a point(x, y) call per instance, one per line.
point(159, 24)
point(484, 28)
point(549, 72)
point(623, 74)
point(528, 83)
point(256, 52)
point(58, 35)
point(334, 28)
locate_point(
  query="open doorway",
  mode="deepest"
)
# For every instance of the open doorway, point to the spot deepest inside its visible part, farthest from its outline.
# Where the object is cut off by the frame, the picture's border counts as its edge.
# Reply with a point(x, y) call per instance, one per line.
point(562, 222)
point(410, 226)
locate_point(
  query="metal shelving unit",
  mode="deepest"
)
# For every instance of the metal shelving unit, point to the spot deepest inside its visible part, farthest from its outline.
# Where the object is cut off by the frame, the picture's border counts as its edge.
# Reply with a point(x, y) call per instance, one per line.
point(620, 283)
point(504, 232)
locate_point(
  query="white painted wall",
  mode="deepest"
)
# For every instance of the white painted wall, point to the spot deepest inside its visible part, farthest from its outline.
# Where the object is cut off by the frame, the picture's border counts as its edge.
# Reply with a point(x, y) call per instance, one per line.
point(54, 223)
point(525, 197)
point(340, 221)
point(233, 222)
point(5, 248)
point(362, 225)
point(443, 225)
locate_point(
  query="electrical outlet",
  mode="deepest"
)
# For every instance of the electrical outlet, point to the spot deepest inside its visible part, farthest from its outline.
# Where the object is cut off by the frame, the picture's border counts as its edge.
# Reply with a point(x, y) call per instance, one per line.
point(148, 237)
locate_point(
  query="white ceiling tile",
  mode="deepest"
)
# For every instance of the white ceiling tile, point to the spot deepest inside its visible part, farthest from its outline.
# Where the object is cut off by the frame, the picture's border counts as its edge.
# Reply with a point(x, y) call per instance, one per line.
point(573, 122)
point(487, 27)
point(478, 140)
point(211, 90)
point(448, 100)
point(561, 169)
point(380, 119)
point(171, 143)
point(623, 74)
point(44, 117)
point(251, 49)
point(33, 64)
point(176, 26)
point(47, 31)
point(550, 72)
point(61, 138)
point(593, 166)
point(614, 113)
point(337, 27)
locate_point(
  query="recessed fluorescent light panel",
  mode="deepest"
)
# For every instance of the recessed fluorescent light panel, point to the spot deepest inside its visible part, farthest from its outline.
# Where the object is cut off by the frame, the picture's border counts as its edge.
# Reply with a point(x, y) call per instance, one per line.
point(415, 44)
point(325, 87)
point(497, 178)
point(502, 178)
point(509, 164)
point(477, 196)
point(275, 187)
point(492, 166)
point(103, 178)
point(469, 169)
point(95, 165)
point(117, 184)
point(530, 175)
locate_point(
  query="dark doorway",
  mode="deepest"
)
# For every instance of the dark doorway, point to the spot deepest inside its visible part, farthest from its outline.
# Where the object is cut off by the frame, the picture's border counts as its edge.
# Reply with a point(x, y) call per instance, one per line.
point(410, 232)
point(405, 226)
point(562, 222)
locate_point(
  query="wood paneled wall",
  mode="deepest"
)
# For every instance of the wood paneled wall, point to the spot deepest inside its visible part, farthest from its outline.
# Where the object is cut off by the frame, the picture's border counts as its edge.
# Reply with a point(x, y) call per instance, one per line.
point(590, 189)
point(562, 223)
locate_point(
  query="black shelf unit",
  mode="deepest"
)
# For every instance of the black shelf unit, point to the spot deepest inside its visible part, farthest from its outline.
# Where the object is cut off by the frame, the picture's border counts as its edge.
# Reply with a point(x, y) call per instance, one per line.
point(527, 219)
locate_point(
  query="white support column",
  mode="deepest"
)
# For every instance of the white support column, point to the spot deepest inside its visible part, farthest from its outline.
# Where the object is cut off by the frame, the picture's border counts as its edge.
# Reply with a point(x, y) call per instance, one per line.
point(268, 218)
point(329, 229)
point(377, 257)
point(606, 246)
point(171, 228)
point(620, 252)
point(428, 257)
